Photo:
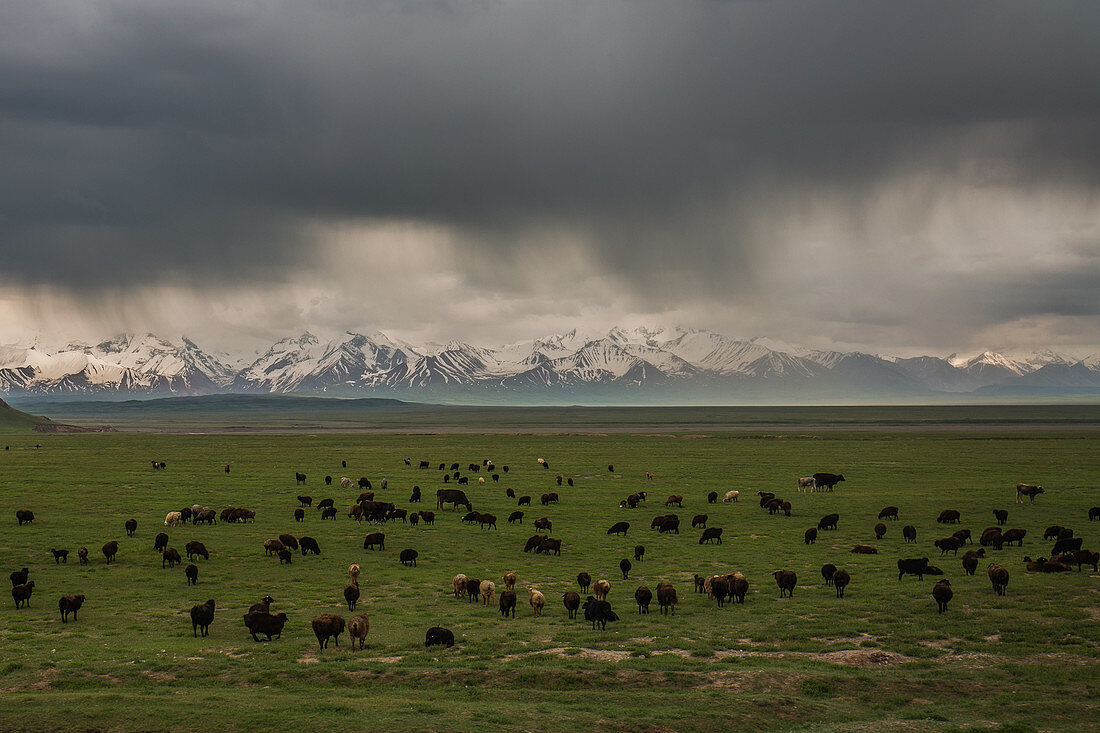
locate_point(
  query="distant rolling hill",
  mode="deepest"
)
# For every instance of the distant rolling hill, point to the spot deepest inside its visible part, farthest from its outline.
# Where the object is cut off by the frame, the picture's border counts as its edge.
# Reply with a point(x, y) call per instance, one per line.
point(16, 421)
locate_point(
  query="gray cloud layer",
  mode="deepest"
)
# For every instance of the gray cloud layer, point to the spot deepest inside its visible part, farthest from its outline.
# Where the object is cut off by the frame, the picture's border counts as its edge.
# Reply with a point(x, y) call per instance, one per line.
point(865, 172)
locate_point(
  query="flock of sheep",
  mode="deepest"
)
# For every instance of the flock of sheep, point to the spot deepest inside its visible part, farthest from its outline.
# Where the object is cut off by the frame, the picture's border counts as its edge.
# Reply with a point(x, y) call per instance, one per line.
point(260, 621)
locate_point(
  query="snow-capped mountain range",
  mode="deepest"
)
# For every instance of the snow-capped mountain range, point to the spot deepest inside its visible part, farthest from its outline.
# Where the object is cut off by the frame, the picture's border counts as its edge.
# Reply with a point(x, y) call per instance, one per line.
point(639, 365)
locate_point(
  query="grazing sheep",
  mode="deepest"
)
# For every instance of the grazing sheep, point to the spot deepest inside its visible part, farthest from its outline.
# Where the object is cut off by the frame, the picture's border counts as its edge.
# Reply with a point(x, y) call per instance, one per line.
point(547, 545)
point(864, 550)
point(510, 493)
point(829, 521)
point(1014, 535)
point(458, 585)
point(808, 483)
point(1028, 490)
point(949, 516)
point(272, 547)
point(909, 533)
point(642, 597)
point(913, 566)
point(70, 604)
point(998, 576)
point(880, 531)
point(666, 599)
point(584, 580)
point(427, 517)
point(82, 554)
point(598, 612)
point(262, 622)
point(309, 544)
point(601, 588)
point(173, 519)
point(948, 544)
point(786, 580)
point(639, 552)
point(289, 540)
point(486, 589)
point(1001, 515)
point(24, 516)
point(1054, 532)
point(544, 524)
point(523, 501)
point(514, 517)
point(963, 536)
point(414, 497)
point(1081, 557)
point(669, 525)
point(699, 520)
point(408, 557)
point(473, 589)
point(1094, 513)
point(624, 566)
point(619, 528)
point(711, 533)
point(739, 586)
point(827, 571)
point(196, 548)
point(21, 594)
point(201, 618)
point(941, 591)
point(841, 579)
point(719, 589)
point(507, 603)
point(131, 527)
point(572, 601)
point(991, 537)
point(970, 560)
point(811, 536)
point(60, 556)
point(537, 600)
point(358, 628)
point(192, 573)
point(676, 499)
point(712, 497)
point(328, 626)
point(1067, 544)
point(328, 513)
point(286, 556)
point(439, 636)
point(533, 542)
point(890, 512)
point(110, 550)
point(1042, 565)
point(374, 538)
point(731, 496)
point(351, 595)
point(509, 580)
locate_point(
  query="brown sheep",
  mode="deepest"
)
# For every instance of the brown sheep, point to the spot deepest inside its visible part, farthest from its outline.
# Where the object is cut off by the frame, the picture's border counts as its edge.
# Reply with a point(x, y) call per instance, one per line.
point(890, 512)
point(864, 550)
point(1042, 565)
point(537, 601)
point(949, 516)
point(666, 598)
point(948, 544)
point(70, 604)
point(739, 586)
point(351, 595)
point(486, 588)
point(942, 593)
point(786, 580)
point(131, 527)
point(507, 603)
point(192, 573)
point(643, 596)
point(171, 556)
point(999, 577)
point(458, 585)
point(1014, 535)
point(289, 540)
point(110, 550)
point(196, 548)
point(353, 572)
point(827, 571)
point(509, 581)
point(699, 520)
point(1001, 515)
point(82, 553)
point(584, 580)
point(909, 533)
point(201, 618)
point(970, 560)
point(676, 499)
point(572, 602)
point(600, 589)
point(880, 531)
point(358, 628)
point(841, 578)
point(272, 547)
point(21, 594)
point(326, 626)
point(639, 552)
point(286, 556)
point(811, 535)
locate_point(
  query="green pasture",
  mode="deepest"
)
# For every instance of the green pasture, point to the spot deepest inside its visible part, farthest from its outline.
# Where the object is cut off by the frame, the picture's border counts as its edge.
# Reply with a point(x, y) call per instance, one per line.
point(879, 659)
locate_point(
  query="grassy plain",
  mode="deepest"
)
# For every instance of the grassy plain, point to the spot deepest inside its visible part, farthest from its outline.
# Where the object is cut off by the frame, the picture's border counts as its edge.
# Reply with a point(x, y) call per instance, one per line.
point(881, 658)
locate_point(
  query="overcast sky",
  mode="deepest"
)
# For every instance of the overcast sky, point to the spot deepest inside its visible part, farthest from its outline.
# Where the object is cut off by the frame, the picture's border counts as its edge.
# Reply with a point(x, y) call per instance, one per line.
point(891, 176)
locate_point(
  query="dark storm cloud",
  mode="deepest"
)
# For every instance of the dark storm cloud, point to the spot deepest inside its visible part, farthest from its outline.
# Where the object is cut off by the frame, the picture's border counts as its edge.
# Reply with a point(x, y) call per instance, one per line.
point(204, 142)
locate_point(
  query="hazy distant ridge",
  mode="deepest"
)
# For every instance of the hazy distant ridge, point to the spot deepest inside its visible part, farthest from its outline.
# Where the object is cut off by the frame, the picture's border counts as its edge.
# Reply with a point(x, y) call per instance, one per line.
point(640, 365)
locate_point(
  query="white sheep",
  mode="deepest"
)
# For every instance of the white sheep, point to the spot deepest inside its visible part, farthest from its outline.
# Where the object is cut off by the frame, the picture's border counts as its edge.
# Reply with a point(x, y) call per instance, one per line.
point(537, 600)
point(731, 496)
point(173, 519)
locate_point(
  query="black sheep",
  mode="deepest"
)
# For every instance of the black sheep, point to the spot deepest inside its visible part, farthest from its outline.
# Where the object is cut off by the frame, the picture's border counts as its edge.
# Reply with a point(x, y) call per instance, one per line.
point(508, 603)
point(201, 618)
point(131, 527)
point(643, 596)
point(326, 626)
point(19, 577)
point(192, 573)
point(22, 594)
point(308, 544)
point(624, 566)
point(437, 635)
point(408, 557)
point(572, 602)
point(786, 580)
point(598, 612)
point(584, 580)
point(60, 556)
point(941, 591)
point(110, 550)
point(261, 622)
point(619, 528)
point(351, 595)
